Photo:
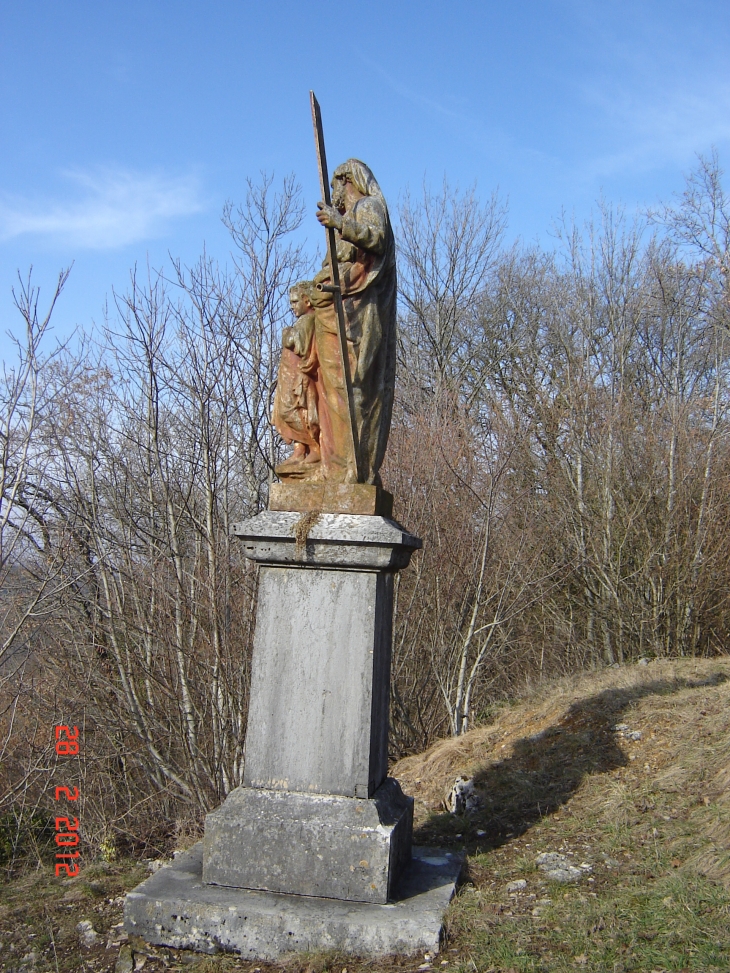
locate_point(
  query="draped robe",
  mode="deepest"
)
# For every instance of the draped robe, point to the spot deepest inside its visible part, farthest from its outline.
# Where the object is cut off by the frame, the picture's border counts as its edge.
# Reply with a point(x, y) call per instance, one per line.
point(367, 265)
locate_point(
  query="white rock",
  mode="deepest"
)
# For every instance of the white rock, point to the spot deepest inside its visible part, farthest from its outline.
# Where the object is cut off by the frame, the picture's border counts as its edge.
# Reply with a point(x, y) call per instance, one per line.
point(558, 868)
point(462, 797)
point(87, 933)
point(563, 875)
point(517, 885)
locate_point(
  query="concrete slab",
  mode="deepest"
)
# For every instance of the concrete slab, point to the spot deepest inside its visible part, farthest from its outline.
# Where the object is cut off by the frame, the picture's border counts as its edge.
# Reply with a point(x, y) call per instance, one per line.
point(174, 908)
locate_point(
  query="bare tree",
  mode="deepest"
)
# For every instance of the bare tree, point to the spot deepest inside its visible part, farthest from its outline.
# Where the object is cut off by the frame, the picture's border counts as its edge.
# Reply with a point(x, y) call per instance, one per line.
point(448, 245)
point(559, 440)
point(268, 263)
point(162, 443)
point(26, 404)
point(32, 558)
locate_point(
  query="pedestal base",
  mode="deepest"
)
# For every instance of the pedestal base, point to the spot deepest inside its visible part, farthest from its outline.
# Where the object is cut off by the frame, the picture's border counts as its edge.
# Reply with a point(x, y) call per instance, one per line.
point(174, 908)
point(310, 844)
point(331, 498)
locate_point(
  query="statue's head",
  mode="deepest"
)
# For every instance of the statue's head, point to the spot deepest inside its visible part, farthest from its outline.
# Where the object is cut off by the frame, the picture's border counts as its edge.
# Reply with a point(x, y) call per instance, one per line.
point(359, 175)
point(300, 297)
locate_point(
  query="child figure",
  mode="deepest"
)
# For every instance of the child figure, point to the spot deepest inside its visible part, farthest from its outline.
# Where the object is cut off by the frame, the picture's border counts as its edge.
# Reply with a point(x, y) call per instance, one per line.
point(295, 402)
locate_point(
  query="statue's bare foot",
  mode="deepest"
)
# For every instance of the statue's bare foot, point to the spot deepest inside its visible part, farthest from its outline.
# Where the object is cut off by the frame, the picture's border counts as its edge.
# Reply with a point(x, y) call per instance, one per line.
point(314, 455)
point(303, 464)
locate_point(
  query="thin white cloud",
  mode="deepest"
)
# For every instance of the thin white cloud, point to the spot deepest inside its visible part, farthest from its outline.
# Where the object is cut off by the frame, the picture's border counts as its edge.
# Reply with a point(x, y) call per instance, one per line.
point(411, 94)
point(113, 207)
point(659, 88)
point(489, 139)
point(655, 128)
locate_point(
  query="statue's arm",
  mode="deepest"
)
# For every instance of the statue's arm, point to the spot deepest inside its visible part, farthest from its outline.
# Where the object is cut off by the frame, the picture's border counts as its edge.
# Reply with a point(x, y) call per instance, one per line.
point(365, 227)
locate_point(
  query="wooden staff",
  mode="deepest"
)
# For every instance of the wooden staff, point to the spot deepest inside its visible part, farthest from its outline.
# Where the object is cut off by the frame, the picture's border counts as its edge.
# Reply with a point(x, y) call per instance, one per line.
point(334, 287)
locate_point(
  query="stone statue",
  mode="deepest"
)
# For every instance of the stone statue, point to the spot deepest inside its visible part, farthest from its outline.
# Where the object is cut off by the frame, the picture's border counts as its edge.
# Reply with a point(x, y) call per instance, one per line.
point(295, 413)
point(311, 407)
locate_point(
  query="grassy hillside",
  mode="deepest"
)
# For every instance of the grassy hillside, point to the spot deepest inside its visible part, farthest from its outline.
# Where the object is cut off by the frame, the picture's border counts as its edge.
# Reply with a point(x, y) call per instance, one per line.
point(651, 816)
point(642, 812)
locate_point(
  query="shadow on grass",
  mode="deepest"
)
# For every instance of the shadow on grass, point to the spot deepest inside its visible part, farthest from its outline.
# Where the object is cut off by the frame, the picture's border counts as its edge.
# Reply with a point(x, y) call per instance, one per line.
point(545, 770)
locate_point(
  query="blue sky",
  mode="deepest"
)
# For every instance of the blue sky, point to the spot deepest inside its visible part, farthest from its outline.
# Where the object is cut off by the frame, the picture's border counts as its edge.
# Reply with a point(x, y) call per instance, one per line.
point(125, 126)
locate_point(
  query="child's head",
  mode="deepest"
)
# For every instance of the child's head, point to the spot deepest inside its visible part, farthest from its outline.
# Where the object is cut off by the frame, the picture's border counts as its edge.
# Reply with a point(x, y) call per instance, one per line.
point(300, 298)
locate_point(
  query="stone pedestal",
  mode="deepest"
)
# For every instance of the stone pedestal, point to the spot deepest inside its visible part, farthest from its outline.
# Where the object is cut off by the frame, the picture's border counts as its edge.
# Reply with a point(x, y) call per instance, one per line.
point(316, 814)
point(313, 851)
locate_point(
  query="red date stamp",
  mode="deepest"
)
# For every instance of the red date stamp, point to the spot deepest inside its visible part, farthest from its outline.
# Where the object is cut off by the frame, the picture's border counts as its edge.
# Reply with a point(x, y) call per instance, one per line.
point(67, 828)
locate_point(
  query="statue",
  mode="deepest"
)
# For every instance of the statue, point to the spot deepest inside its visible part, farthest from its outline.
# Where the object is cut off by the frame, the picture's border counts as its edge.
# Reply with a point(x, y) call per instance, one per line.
point(314, 408)
point(295, 413)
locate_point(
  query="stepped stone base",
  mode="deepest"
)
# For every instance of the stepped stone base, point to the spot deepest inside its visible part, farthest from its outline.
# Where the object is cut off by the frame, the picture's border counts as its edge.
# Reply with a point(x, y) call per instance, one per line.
point(175, 908)
point(310, 844)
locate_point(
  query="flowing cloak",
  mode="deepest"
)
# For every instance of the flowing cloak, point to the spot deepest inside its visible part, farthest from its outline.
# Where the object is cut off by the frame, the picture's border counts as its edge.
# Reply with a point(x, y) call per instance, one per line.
point(295, 401)
point(368, 279)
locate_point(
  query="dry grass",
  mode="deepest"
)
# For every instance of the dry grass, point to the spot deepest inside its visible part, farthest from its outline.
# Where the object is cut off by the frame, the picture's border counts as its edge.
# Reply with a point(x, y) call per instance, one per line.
point(544, 752)
point(652, 816)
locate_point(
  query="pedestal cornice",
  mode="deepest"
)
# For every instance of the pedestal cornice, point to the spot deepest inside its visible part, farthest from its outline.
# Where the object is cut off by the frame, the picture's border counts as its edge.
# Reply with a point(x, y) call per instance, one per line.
point(344, 541)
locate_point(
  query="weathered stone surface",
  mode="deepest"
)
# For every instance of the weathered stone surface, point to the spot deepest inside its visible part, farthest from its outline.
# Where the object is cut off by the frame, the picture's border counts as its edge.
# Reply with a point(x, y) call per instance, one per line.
point(339, 847)
point(333, 540)
point(318, 715)
point(329, 497)
point(174, 908)
point(335, 386)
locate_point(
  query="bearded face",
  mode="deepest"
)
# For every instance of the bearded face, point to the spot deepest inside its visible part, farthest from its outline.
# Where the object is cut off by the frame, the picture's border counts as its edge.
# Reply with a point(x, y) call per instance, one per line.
point(338, 194)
